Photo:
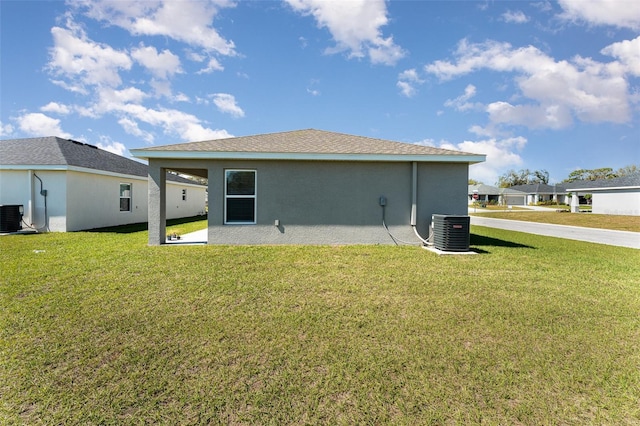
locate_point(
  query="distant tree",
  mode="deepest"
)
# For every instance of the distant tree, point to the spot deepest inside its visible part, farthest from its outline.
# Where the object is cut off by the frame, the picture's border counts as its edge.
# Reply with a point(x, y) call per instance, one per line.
point(541, 176)
point(591, 174)
point(628, 170)
point(523, 177)
point(474, 182)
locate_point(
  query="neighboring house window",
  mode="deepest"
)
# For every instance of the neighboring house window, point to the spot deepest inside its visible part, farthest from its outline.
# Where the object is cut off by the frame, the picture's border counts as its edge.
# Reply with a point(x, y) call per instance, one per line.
point(125, 197)
point(240, 196)
point(184, 195)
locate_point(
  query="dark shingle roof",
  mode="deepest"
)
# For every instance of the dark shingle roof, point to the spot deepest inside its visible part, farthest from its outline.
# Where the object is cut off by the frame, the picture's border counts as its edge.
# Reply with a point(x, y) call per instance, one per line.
point(309, 141)
point(631, 180)
point(55, 151)
point(492, 190)
point(540, 188)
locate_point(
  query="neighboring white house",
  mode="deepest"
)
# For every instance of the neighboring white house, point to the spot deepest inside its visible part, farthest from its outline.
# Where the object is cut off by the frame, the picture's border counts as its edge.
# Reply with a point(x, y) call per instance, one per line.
point(617, 196)
point(64, 185)
point(313, 187)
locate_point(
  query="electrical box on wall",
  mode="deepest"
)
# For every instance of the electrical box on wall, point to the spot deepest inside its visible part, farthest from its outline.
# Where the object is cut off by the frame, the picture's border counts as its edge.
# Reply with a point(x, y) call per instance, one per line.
point(383, 200)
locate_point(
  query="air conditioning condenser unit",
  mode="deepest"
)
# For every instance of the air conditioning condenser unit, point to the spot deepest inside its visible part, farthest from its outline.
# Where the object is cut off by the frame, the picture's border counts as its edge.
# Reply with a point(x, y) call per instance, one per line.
point(451, 232)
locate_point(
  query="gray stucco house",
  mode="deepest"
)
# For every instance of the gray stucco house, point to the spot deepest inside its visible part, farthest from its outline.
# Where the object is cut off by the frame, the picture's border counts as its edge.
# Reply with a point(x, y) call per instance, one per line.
point(313, 187)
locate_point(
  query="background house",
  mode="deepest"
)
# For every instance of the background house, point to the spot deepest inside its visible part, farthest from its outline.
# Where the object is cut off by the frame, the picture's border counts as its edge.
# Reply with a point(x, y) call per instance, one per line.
point(64, 185)
point(617, 196)
point(501, 196)
point(313, 187)
point(484, 193)
point(541, 192)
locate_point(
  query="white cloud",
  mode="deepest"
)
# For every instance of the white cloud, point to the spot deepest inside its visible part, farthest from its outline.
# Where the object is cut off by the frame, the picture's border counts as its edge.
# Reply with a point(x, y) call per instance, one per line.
point(111, 100)
point(131, 127)
point(56, 108)
point(558, 90)
point(628, 53)
point(502, 154)
point(515, 17)
point(461, 103)
point(533, 116)
point(84, 61)
point(186, 21)
point(114, 147)
point(5, 129)
point(623, 14)
point(227, 103)
point(38, 124)
point(173, 122)
point(355, 26)
point(212, 65)
point(161, 65)
point(407, 82)
point(181, 97)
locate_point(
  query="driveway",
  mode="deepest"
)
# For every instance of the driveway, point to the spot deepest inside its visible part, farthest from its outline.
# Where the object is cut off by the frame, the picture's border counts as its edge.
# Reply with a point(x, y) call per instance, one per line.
point(592, 235)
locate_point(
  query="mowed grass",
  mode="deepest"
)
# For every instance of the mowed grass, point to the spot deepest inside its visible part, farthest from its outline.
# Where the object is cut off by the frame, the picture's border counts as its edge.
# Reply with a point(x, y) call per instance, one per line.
point(99, 328)
point(588, 220)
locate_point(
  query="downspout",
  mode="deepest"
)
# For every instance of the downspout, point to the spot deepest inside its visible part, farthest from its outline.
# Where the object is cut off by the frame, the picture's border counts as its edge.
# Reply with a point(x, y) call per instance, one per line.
point(32, 200)
point(414, 201)
point(414, 192)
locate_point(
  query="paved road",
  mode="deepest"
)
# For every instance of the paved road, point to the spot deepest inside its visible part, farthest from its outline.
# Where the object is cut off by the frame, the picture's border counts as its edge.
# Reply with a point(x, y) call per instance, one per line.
point(592, 235)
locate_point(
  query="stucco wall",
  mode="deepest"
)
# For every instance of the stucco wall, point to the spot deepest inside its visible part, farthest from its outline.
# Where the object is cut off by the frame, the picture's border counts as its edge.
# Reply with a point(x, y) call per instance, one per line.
point(15, 188)
point(79, 200)
point(336, 202)
point(94, 201)
point(616, 202)
point(177, 207)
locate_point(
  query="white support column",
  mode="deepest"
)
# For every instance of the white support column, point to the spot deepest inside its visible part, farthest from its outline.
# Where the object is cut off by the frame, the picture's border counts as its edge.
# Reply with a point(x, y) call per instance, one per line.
point(157, 204)
point(575, 203)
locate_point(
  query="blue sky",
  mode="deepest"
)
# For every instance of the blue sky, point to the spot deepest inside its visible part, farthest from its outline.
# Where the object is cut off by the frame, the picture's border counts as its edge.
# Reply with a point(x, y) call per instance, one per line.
point(537, 85)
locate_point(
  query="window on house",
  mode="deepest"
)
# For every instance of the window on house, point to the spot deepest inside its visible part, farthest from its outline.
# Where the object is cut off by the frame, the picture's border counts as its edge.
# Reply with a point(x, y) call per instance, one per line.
point(125, 197)
point(184, 195)
point(240, 196)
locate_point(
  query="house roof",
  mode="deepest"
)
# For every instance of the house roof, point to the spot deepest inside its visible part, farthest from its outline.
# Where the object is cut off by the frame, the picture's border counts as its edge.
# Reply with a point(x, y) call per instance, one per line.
point(55, 152)
point(540, 188)
point(628, 181)
point(492, 190)
point(309, 144)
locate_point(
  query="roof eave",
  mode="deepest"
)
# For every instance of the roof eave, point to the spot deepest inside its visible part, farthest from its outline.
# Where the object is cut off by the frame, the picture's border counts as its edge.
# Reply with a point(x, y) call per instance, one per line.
point(603, 188)
point(215, 155)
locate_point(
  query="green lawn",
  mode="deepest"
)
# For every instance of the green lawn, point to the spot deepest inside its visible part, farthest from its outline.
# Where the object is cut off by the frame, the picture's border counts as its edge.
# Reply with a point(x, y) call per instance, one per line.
point(99, 328)
point(588, 220)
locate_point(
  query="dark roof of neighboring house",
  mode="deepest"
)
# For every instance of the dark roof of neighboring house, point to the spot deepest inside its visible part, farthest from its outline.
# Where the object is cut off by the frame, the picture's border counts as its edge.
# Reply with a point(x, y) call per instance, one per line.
point(492, 190)
point(540, 188)
point(631, 180)
point(300, 144)
point(55, 151)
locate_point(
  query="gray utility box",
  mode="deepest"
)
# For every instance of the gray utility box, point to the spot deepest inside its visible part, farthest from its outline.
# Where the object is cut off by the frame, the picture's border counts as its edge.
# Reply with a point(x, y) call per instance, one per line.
point(451, 232)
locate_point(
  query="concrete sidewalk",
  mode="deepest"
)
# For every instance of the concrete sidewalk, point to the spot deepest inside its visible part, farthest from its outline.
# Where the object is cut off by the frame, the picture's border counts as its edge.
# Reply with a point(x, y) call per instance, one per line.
point(193, 238)
point(592, 235)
